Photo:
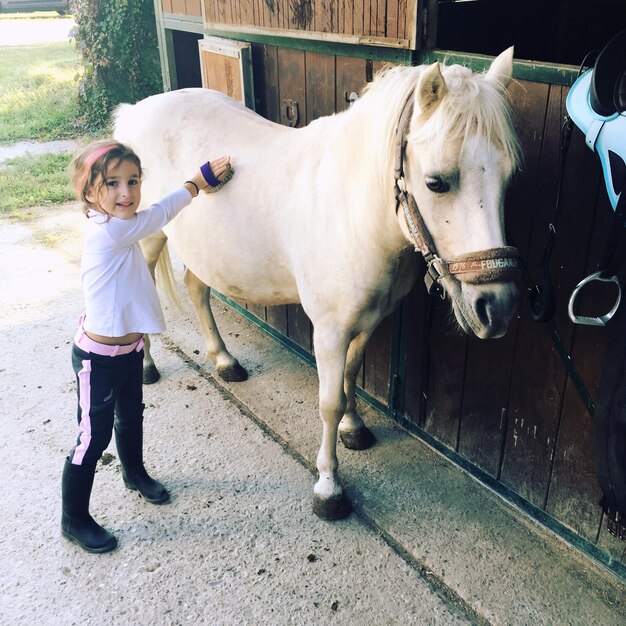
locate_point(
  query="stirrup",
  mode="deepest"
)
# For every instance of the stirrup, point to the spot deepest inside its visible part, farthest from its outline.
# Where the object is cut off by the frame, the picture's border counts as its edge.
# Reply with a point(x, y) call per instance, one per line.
point(594, 321)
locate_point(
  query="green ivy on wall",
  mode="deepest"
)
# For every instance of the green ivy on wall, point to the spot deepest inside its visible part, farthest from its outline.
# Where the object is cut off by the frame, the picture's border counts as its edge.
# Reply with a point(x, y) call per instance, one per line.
point(120, 59)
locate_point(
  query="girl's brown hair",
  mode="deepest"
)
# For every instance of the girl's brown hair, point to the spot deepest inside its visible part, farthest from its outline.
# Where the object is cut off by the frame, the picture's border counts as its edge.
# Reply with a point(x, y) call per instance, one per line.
point(93, 163)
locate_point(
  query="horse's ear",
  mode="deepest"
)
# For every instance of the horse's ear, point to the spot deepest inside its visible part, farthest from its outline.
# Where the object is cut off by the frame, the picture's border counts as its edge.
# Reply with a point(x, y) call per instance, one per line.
point(431, 88)
point(501, 70)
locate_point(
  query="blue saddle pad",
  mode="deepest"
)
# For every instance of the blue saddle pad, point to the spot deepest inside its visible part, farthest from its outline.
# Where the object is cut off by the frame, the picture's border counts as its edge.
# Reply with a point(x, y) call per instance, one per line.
point(597, 105)
point(606, 135)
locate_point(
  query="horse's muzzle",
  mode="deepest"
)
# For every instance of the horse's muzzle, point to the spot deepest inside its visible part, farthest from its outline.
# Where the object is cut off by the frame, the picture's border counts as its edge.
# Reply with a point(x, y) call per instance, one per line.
point(493, 308)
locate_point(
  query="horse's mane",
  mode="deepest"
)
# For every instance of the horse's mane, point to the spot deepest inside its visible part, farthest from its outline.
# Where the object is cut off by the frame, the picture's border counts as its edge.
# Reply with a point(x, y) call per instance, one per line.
point(472, 106)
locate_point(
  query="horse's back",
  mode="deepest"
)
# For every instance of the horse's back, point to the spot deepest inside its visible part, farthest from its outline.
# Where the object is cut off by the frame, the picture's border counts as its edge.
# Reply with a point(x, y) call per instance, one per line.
point(210, 116)
point(285, 223)
point(173, 133)
point(208, 101)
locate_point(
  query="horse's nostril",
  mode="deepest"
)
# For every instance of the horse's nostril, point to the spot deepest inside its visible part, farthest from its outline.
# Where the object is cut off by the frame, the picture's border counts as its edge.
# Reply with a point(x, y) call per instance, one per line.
point(482, 311)
point(493, 309)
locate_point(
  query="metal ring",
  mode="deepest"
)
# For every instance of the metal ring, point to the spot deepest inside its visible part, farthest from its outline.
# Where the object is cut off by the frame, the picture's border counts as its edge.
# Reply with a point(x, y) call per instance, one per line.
point(594, 321)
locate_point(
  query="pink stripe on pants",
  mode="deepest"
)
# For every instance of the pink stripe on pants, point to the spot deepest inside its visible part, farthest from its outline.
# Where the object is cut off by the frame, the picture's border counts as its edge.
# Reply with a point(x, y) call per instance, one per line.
point(84, 388)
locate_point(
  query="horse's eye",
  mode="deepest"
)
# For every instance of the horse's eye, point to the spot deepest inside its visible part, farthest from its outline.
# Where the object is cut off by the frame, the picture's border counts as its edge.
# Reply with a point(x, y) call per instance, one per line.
point(436, 184)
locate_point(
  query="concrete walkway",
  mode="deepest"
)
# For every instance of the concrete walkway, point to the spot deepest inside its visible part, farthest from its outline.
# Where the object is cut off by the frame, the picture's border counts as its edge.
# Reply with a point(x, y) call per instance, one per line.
point(470, 545)
point(25, 32)
point(239, 543)
point(22, 148)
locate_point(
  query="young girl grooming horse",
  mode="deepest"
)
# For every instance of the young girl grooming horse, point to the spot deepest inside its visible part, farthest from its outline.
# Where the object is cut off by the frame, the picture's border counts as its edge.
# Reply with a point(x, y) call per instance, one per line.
point(121, 304)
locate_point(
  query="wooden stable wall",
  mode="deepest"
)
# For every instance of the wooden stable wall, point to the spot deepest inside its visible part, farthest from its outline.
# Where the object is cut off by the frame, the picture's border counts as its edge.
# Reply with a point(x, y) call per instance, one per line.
point(384, 22)
point(183, 7)
point(382, 19)
point(506, 406)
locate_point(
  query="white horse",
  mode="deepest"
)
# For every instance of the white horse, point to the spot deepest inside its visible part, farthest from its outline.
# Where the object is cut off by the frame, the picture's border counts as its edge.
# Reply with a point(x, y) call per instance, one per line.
point(327, 216)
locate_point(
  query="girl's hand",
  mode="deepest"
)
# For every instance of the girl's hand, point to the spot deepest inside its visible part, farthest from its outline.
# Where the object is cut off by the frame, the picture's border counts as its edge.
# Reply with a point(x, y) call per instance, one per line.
point(219, 166)
point(221, 169)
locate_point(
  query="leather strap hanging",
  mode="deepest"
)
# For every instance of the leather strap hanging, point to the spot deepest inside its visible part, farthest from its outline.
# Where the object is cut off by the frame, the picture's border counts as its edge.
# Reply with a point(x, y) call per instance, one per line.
point(609, 427)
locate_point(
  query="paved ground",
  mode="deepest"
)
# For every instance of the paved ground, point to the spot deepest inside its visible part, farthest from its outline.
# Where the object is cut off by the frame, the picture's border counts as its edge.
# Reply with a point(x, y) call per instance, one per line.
point(21, 32)
point(34, 147)
point(239, 543)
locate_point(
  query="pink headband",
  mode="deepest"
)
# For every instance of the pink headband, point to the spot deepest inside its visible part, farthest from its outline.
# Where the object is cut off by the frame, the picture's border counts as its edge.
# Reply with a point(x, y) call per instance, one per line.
point(96, 154)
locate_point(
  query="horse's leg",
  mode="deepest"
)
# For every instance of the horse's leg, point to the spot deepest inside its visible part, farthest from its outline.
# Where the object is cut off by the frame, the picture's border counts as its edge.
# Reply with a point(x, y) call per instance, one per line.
point(227, 366)
point(331, 347)
point(352, 430)
point(151, 247)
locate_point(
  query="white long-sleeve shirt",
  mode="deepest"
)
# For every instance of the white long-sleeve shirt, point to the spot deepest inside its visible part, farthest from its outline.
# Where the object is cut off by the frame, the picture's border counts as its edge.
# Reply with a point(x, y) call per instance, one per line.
point(120, 296)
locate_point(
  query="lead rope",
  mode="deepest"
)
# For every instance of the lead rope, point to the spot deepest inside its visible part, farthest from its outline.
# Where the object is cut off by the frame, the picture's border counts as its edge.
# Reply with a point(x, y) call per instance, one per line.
point(541, 294)
point(542, 300)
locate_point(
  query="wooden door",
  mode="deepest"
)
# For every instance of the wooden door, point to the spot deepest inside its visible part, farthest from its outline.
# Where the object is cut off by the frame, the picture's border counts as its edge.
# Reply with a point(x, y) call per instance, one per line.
point(226, 66)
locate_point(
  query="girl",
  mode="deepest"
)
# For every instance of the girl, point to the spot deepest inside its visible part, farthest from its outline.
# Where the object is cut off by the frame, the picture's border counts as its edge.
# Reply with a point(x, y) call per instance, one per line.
point(121, 304)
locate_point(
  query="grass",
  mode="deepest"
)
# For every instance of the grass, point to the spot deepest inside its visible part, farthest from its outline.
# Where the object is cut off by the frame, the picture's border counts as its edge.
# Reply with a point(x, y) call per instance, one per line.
point(38, 102)
point(38, 92)
point(34, 180)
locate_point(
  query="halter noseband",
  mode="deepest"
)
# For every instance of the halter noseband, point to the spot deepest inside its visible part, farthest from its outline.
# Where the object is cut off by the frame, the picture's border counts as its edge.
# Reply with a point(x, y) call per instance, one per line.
point(482, 266)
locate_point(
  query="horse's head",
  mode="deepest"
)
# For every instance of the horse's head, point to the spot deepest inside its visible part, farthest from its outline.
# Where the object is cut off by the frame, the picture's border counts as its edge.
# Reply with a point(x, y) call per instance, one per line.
point(460, 153)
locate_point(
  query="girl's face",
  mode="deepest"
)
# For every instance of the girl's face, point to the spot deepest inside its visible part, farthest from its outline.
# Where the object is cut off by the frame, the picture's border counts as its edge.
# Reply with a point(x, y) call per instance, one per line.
point(120, 194)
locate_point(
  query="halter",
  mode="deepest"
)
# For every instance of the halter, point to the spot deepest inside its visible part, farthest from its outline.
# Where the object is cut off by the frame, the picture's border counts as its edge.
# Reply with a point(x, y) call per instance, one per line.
point(482, 266)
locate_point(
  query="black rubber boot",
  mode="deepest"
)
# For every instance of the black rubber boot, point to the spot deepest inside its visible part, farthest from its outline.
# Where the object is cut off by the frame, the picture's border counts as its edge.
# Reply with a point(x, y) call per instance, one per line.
point(76, 523)
point(130, 449)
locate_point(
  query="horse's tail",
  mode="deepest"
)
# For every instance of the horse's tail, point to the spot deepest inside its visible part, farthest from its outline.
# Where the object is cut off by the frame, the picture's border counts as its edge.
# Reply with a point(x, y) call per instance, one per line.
point(164, 276)
point(124, 126)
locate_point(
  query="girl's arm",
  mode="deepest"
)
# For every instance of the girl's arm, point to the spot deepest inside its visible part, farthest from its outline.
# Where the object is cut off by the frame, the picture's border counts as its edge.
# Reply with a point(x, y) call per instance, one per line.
point(150, 220)
point(155, 217)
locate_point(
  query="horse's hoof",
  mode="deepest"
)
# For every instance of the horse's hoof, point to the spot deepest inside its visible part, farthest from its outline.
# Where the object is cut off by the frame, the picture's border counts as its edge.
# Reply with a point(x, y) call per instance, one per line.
point(330, 509)
point(232, 373)
point(150, 375)
point(361, 439)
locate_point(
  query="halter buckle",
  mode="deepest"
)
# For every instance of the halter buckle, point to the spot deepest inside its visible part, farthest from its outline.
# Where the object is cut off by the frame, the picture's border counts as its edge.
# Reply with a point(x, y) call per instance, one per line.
point(400, 193)
point(594, 321)
point(432, 279)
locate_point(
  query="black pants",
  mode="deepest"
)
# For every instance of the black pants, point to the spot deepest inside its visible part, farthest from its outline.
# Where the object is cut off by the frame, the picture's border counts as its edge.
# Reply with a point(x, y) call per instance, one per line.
point(109, 391)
